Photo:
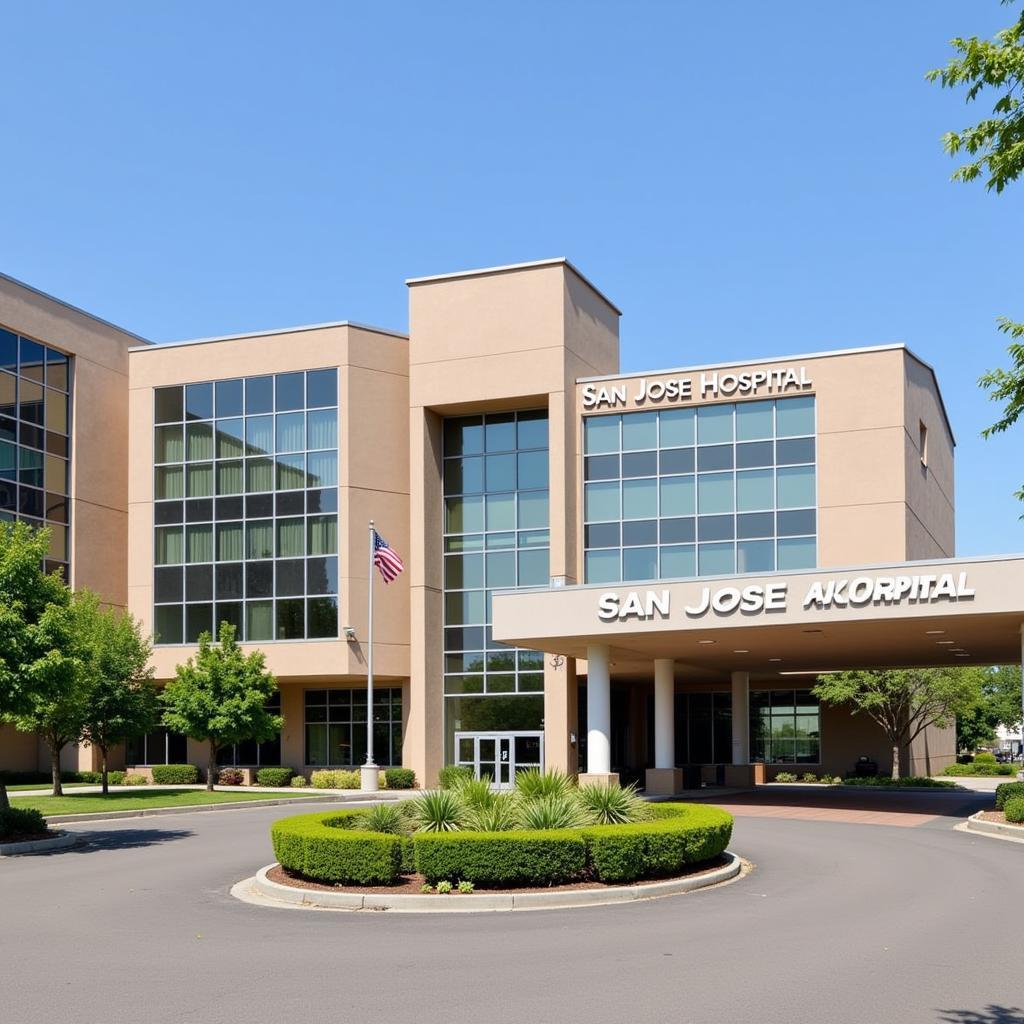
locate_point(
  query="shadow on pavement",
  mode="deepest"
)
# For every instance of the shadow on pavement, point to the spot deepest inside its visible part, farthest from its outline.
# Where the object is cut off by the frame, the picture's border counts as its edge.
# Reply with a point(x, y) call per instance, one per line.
point(953, 804)
point(990, 1015)
point(125, 839)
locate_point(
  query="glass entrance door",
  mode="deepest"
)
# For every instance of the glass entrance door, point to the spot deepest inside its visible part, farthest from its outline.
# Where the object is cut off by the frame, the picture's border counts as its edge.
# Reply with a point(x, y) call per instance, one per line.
point(499, 755)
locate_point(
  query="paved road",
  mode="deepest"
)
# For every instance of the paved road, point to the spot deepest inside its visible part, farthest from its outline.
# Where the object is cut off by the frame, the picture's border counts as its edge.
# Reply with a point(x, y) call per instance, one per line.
point(840, 922)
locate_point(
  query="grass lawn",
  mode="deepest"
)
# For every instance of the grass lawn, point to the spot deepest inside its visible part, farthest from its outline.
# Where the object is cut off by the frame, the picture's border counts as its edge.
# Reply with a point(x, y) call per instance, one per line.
point(90, 803)
point(45, 785)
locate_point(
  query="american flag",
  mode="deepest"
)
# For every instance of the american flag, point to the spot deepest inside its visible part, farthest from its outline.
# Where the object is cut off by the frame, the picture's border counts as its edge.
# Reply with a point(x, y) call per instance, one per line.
point(386, 560)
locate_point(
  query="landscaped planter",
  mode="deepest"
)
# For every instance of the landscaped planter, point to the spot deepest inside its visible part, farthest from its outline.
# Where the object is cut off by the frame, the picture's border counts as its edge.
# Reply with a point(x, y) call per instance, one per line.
point(327, 848)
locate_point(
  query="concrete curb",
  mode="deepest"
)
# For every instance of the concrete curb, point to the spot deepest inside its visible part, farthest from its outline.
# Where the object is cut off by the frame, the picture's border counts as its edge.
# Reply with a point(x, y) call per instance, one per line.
point(154, 812)
point(261, 890)
point(58, 842)
point(975, 823)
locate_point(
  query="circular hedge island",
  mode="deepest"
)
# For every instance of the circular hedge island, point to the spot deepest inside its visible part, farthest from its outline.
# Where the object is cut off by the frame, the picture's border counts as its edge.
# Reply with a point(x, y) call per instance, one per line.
point(546, 832)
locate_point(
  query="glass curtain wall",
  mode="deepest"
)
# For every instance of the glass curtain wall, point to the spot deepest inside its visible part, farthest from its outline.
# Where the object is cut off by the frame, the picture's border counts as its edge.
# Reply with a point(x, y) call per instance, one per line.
point(246, 507)
point(336, 727)
point(495, 538)
point(785, 727)
point(719, 489)
point(35, 442)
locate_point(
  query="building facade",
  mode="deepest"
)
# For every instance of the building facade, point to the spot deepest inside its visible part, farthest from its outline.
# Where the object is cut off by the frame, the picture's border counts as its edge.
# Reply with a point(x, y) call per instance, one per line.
point(499, 449)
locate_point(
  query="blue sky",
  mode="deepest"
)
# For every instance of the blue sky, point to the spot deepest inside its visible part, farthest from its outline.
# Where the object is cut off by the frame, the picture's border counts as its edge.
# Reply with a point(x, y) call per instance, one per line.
point(742, 179)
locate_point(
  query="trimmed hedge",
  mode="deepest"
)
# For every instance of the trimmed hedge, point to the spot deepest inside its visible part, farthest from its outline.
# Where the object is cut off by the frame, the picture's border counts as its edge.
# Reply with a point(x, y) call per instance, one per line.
point(547, 857)
point(1008, 791)
point(342, 778)
point(400, 778)
point(230, 777)
point(979, 768)
point(325, 847)
point(274, 776)
point(21, 821)
point(1014, 810)
point(175, 774)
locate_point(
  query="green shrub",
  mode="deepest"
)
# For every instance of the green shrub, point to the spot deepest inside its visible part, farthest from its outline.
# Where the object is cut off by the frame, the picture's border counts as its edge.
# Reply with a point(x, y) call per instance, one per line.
point(808, 777)
point(385, 818)
point(451, 775)
point(276, 777)
point(534, 783)
point(984, 758)
point(175, 774)
point(21, 821)
point(299, 782)
point(438, 810)
point(785, 777)
point(322, 779)
point(230, 777)
point(550, 857)
point(475, 794)
point(400, 778)
point(1014, 810)
point(114, 778)
point(552, 811)
point(326, 847)
point(134, 779)
point(1008, 791)
point(958, 769)
point(978, 768)
point(610, 805)
point(443, 888)
point(498, 816)
point(465, 887)
point(882, 781)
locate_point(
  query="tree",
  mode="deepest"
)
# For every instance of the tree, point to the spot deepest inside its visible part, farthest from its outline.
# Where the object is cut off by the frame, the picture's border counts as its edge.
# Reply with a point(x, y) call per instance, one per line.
point(998, 703)
point(996, 144)
point(903, 702)
point(30, 668)
point(120, 700)
point(220, 697)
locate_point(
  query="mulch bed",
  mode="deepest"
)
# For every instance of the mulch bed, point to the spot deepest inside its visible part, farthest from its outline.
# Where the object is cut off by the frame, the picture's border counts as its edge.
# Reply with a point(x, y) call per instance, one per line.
point(28, 837)
point(410, 885)
point(999, 816)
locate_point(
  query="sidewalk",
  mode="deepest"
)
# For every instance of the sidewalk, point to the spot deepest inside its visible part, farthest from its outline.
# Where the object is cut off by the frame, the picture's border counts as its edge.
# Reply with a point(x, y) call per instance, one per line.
point(340, 794)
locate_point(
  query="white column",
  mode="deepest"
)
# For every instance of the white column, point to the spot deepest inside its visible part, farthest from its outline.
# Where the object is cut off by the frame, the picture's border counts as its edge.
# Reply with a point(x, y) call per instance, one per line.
point(599, 711)
point(664, 714)
point(741, 718)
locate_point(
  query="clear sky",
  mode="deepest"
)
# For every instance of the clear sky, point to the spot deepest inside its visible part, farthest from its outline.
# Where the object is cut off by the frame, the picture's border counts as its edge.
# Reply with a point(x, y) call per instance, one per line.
point(743, 179)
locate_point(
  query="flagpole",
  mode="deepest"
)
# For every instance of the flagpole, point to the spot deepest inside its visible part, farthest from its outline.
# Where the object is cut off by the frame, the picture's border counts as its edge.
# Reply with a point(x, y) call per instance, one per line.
point(369, 774)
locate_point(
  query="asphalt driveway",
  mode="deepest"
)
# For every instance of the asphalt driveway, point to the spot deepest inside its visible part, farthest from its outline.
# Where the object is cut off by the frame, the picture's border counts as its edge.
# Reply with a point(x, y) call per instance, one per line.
point(840, 922)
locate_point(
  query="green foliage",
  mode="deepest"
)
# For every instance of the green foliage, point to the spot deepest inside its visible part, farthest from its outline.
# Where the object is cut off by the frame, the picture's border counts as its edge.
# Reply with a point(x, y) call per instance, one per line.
point(466, 887)
point(785, 777)
point(808, 777)
point(438, 810)
point(452, 775)
point(551, 811)
point(996, 143)
point(1014, 810)
point(133, 779)
point(903, 702)
point(335, 779)
point(400, 778)
point(299, 782)
point(230, 777)
point(535, 783)
point(475, 794)
point(911, 781)
point(499, 816)
point(274, 776)
point(21, 821)
point(983, 769)
point(443, 888)
point(175, 774)
point(327, 848)
point(426, 889)
point(385, 818)
point(610, 805)
point(221, 696)
point(501, 858)
point(1008, 791)
point(985, 758)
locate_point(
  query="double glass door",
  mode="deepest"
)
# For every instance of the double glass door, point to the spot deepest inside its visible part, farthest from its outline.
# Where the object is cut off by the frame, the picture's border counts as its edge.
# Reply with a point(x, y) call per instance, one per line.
point(499, 755)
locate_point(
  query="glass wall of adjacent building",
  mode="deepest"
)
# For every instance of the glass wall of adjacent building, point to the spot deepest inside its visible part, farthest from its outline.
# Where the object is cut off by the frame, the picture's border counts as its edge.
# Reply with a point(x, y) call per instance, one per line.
point(35, 444)
point(713, 490)
point(246, 507)
point(336, 727)
point(495, 538)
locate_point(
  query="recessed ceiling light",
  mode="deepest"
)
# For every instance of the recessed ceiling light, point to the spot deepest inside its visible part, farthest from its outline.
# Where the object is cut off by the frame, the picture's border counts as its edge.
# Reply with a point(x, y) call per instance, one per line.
point(945, 641)
point(957, 650)
point(775, 659)
point(934, 632)
point(964, 654)
point(707, 641)
point(741, 651)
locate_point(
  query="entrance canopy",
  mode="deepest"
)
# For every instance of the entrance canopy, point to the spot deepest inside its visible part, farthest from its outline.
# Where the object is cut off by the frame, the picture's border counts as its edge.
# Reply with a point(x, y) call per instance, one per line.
point(949, 612)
